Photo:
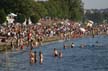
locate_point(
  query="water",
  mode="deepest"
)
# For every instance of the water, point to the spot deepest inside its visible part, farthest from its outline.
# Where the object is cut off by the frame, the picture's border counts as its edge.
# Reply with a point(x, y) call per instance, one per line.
point(90, 58)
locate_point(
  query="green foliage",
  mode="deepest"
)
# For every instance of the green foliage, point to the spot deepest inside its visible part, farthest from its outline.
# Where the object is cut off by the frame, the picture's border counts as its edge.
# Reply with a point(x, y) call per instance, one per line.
point(40, 10)
point(71, 9)
point(34, 18)
point(105, 17)
point(2, 16)
point(20, 18)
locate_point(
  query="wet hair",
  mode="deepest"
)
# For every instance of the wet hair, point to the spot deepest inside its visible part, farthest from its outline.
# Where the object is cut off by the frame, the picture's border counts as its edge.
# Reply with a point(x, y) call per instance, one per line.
point(54, 48)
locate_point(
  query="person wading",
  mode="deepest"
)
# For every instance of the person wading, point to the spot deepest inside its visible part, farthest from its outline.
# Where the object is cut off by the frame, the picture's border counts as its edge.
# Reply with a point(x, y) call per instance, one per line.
point(35, 53)
point(60, 54)
point(55, 52)
point(41, 57)
point(32, 57)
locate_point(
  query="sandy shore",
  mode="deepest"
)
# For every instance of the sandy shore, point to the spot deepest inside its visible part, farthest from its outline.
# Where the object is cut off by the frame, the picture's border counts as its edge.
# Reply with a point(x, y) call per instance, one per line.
point(48, 40)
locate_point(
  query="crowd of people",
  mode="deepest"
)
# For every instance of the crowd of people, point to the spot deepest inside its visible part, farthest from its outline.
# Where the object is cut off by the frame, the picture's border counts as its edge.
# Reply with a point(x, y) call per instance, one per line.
point(59, 29)
point(50, 28)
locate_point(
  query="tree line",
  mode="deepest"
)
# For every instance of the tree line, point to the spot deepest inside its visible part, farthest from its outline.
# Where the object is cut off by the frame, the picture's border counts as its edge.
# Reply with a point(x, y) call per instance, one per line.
point(71, 9)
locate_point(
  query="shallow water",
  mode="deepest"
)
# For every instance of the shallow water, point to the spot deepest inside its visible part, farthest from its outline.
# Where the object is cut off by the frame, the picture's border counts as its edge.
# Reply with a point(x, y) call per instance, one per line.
point(89, 58)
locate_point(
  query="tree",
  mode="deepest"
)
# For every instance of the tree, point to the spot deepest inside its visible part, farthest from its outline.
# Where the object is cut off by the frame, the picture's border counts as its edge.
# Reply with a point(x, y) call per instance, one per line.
point(72, 9)
point(2, 16)
point(75, 9)
point(20, 18)
point(39, 10)
point(18, 6)
point(105, 16)
point(34, 18)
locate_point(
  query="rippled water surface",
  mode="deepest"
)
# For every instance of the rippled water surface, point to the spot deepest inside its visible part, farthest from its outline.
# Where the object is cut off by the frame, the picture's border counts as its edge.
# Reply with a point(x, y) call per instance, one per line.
point(93, 57)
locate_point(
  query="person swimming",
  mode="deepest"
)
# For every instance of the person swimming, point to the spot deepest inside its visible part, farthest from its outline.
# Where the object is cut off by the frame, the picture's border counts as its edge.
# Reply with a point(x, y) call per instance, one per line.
point(83, 45)
point(41, 57)
point(55, 52)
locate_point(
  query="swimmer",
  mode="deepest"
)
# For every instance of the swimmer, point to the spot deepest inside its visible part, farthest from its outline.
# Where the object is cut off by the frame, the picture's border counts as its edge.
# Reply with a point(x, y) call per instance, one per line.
point(82, 45)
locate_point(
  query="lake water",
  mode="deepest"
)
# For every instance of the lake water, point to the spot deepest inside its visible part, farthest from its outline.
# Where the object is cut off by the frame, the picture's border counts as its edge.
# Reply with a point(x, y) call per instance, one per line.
point(89, 58)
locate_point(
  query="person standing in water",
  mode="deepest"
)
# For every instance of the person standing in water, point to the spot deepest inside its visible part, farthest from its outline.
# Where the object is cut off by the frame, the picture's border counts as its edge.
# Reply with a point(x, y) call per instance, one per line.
point(60, 54)
point(12, 45)
point(31, 44)
point(21, 44)
point(32, 57)
point(72, 45)
point(55, 52)
point(64, 46)
point(35, 56)
point(41, 57)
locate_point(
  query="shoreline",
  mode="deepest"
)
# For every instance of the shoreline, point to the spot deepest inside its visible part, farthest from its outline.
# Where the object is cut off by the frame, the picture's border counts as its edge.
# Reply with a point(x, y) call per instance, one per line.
point(5, 45)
